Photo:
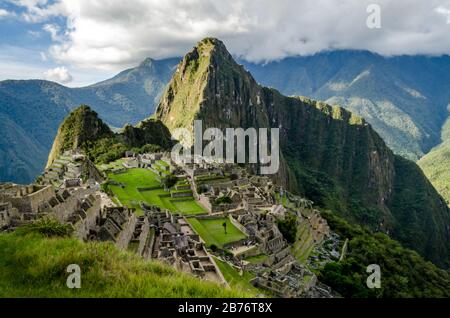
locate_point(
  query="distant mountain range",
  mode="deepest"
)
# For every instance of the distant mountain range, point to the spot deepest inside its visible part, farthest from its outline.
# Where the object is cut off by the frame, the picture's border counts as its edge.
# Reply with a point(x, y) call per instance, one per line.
point(30, 112)
point(404, 98)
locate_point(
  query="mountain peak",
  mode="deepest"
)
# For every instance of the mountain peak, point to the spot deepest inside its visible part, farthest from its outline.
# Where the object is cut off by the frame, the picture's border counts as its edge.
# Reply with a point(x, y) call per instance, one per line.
point(208, 62)
point(148, 62)
point(209, 51)
point(80, 126)
point(212, 43)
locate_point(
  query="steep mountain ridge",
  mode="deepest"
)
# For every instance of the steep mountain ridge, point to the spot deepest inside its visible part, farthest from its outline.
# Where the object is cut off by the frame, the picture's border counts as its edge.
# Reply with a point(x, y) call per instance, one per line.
point(436, 163)
point(327, 153)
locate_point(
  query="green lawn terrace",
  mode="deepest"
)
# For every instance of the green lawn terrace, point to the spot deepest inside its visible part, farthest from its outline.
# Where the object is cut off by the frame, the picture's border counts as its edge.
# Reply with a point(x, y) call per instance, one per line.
point(136, 185)
point(212, 231)
point(304, 243)
point(290, 201)
point(211, 178)
point(237, 278)
point(256, 259)
point(112, 166)
point(161, 168)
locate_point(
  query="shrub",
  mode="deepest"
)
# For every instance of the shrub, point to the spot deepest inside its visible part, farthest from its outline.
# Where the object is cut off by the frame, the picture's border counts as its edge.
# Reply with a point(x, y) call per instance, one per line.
point(223, 200)
point(288, 227)
point(169, 181)
point(49, 227)
point(202, 188)
point(150, 148)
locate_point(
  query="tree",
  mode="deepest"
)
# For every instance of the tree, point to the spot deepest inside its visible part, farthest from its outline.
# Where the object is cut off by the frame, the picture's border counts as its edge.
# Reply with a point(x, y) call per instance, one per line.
point(223, 200)
point(169, 181)
point(288, 227)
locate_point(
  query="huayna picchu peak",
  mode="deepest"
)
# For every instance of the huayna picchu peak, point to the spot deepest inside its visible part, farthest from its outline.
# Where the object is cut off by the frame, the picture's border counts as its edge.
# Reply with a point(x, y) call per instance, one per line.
point(328, 154)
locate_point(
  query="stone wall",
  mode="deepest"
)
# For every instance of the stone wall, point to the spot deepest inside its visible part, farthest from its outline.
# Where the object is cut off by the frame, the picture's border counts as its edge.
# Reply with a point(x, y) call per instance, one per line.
point(238, 225)
point(144, 237)
point(124, 237)
point(63, 210)
point(93, 215)
point(7, 212)
point(204, 201)
point(180, 194)
point(30, 202)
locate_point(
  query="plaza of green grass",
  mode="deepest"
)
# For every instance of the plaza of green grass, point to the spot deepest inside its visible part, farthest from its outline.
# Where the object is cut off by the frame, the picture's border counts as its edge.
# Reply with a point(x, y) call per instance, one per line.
point(142, 185)
point(212, 231)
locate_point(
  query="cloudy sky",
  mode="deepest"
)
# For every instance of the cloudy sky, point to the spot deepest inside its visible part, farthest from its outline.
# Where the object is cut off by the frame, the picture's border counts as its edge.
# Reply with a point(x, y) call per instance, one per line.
point(78, 42)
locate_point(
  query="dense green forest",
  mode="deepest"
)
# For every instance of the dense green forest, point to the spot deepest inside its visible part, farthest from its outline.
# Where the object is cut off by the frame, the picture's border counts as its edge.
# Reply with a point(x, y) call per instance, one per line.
point(404, 273)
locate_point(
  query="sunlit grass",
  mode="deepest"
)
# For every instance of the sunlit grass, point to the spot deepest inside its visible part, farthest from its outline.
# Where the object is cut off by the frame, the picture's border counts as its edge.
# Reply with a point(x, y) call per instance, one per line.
point(35, 266)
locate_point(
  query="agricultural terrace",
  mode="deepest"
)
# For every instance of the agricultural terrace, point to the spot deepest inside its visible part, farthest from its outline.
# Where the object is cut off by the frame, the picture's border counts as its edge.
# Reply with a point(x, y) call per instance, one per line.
point(240, 281)
point(213, 232)
point(137, 184)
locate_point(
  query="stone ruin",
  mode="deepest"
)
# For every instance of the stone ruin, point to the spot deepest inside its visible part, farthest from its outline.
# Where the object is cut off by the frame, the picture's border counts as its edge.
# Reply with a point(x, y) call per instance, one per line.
point(22, 204)
point(7, 215)
point(68, 169)
point(292, 283)
point(176, 243)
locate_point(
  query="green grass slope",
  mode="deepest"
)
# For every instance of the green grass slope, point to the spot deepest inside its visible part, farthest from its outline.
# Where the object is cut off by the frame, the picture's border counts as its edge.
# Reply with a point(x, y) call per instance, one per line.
point(213, 233)
point(35, 266)
point(436, 166)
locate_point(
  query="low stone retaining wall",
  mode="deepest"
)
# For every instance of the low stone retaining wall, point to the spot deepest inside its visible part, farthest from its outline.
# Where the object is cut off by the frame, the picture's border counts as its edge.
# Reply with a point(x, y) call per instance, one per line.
point(180, 194)
point(125, 236)
point(148, 188)
point(238, 225)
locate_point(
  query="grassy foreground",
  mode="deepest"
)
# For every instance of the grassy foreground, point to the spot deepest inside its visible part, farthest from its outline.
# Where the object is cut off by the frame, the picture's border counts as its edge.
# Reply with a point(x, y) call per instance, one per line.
point(32, 265)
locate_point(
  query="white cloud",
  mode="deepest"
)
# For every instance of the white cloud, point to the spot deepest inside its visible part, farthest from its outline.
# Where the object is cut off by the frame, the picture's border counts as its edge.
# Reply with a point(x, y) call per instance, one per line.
point(113, 34)
point(4, 13)
point(43, 56)
point(40, 10)
point(445, 12)
point(34, 34)
point(58, 74)
point(20, 63)
point(54, 31)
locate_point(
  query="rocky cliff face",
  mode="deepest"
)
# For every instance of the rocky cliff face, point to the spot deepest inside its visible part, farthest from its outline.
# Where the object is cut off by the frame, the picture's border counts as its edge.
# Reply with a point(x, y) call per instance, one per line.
point(327, 153)
point(149, 131)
